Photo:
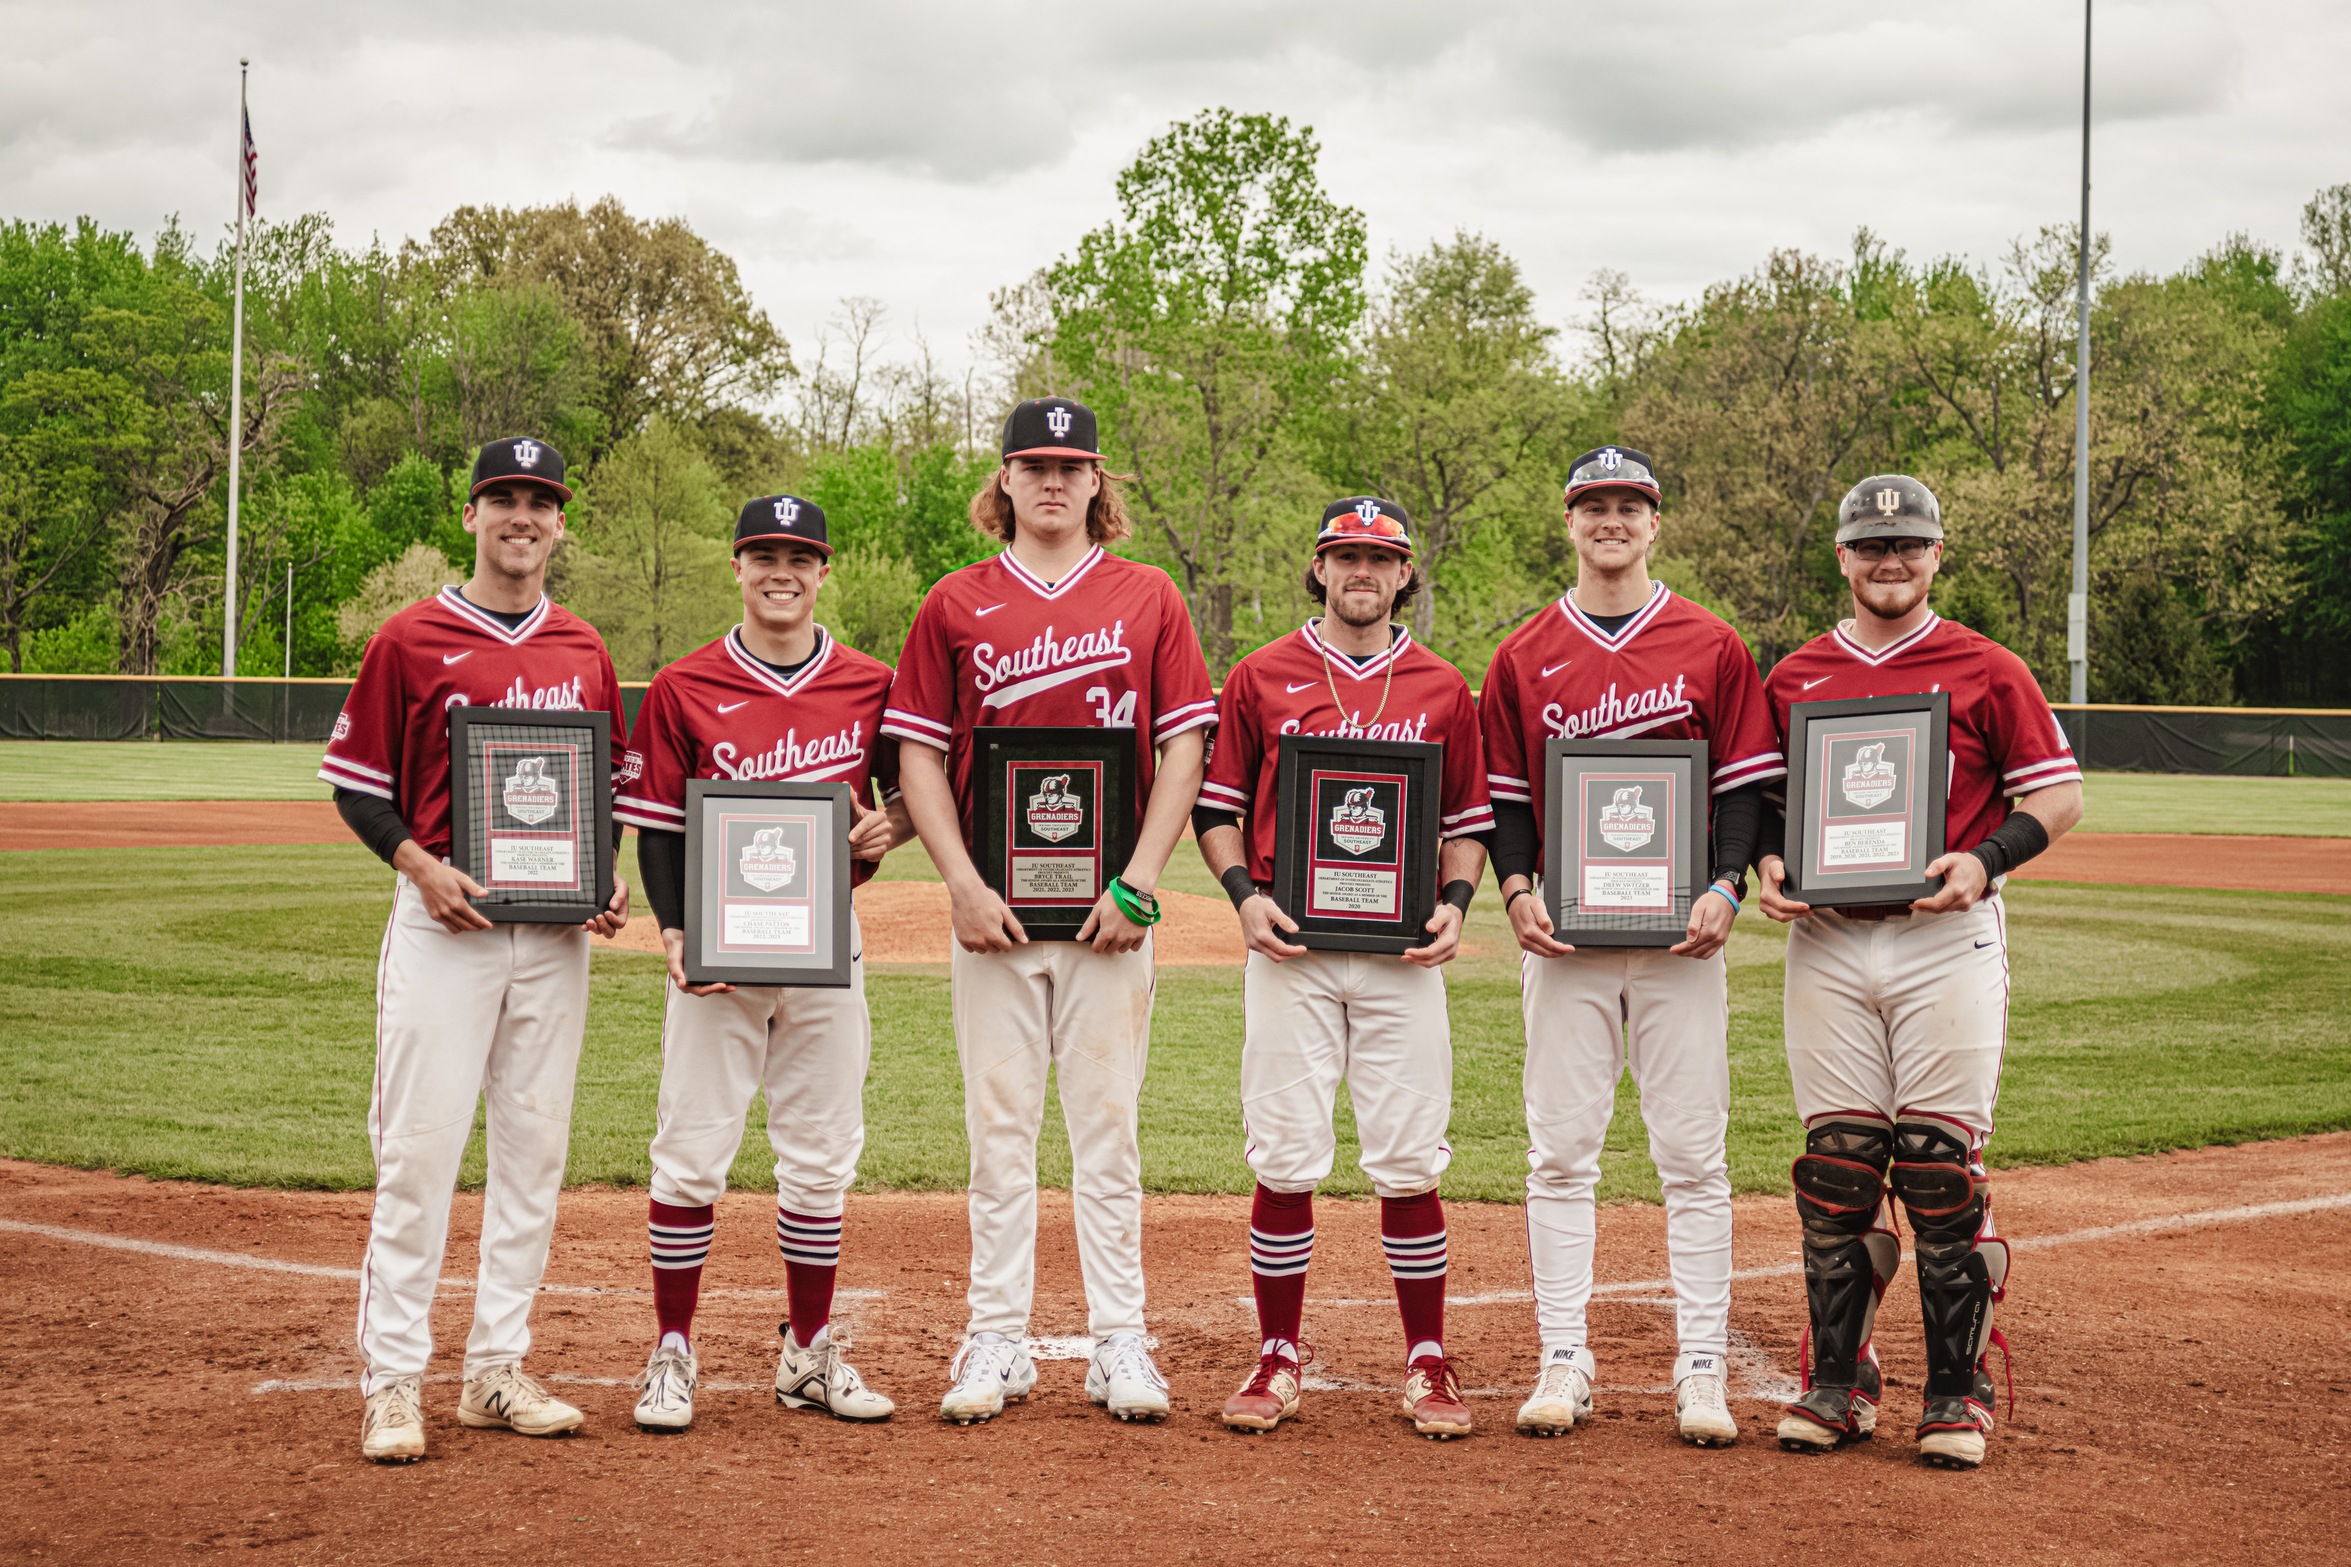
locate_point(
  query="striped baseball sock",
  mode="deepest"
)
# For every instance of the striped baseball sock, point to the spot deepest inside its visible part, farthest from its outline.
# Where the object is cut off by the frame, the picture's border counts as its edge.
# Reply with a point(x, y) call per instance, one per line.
point(1281, 1244)
point(812, 1255)
point(679, 1239)
point(1412, 1232)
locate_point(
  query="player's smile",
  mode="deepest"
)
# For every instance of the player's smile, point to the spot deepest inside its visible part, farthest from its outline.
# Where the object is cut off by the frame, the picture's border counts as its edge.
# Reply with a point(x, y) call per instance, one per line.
point(518, 524)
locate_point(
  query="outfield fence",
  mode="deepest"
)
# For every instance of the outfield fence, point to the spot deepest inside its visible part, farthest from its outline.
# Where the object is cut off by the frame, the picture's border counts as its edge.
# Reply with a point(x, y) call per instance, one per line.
point(2250, 741)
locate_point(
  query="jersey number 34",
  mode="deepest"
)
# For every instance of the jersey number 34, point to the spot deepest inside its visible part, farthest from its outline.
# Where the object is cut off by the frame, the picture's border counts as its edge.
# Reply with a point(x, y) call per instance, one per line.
point(1120, 716)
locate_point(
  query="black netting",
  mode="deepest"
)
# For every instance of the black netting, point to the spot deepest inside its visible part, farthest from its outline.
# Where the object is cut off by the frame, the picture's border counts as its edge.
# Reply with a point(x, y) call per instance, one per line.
point(130, 707)
point(2210, 740)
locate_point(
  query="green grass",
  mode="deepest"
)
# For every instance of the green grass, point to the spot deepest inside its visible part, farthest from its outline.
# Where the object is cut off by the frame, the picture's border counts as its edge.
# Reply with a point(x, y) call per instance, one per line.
point(2180, 802)
point(225, 1033)
point(153, 770)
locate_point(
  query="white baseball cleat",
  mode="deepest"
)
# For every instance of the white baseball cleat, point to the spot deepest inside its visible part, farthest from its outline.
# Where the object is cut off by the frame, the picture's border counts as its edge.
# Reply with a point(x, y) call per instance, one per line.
point(1562, 1399)
point(392, 1429)
point(1701, 1412)
point(819, 1377)
point(1123, 1380)
point(987, 1374)
point(668, 1380)
point(505, 1395)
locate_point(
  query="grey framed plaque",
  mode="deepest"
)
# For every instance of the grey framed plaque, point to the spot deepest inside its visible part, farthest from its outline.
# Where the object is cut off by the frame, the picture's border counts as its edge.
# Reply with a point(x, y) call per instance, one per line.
point(1355, 845)
point(767, 883)
point(530, 811)
point(1867, 782)
point(1055, 819)
point(1625, 847)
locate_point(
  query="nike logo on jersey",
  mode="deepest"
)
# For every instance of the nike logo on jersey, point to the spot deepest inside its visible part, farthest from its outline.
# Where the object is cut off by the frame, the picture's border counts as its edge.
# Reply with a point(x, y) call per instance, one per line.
point(728, 707)
point(1809, 684)
point(1047, 661)
point(990, 610)
point(455, 658)
point(1295, 689)
point(1553, 669)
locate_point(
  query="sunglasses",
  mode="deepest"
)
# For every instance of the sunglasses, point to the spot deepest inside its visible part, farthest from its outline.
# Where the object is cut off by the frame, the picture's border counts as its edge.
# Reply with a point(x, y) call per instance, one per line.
point(1879, 549)
point(1352, 526)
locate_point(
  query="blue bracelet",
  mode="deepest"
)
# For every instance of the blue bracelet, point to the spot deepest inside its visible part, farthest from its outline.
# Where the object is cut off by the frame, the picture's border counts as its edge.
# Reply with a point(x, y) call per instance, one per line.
point(1716, 886)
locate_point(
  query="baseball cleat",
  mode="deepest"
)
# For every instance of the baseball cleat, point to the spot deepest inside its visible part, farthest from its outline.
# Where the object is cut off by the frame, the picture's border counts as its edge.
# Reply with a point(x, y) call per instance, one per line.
point(1270, 1396)
point(987, 1374)
point(667, 1403)
point(1432, 1397)
point(820, 1377)
point(1951, 1432)
point(392, 1429)
point(1562, 1399)
point(1825, 1419)
point(503, 1395)
point(1701, 1413)
point(1123, 1380)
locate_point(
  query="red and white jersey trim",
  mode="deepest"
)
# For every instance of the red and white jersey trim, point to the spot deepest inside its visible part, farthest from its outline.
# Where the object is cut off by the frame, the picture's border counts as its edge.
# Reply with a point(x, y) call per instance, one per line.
point(355, 776)
point(490, 625)
point(1377, 664)
point(2024, 780)
point(1220, 797)
point(767, 675)
point(1762, 767)
point(1615, 641)
point(901, 724)
point(1192, 715)
point(1888, 654)
point(1478, 818)
point(1039, 585)
point(1503, 787)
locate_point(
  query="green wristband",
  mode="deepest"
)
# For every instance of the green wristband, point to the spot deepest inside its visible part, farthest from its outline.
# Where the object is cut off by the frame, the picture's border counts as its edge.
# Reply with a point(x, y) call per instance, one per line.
point(1134, 905)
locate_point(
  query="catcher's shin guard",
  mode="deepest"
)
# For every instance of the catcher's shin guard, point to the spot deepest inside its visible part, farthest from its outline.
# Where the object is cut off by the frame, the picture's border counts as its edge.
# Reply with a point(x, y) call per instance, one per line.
point(1848, 1258)
point(1962, 1266)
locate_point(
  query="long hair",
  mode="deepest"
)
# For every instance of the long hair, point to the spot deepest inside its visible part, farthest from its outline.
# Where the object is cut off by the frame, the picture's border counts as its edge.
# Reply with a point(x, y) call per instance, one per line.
point(1106, 514)
point(1404, 595)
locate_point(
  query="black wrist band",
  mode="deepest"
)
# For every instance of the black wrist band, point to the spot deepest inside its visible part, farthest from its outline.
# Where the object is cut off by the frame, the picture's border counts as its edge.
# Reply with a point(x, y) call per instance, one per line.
point(1237, 885)
point(1458, 893)
point(1523, 892)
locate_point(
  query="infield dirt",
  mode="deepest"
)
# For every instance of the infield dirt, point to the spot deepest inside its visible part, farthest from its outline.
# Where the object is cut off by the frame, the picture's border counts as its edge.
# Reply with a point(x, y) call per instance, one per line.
point(2181, 1394)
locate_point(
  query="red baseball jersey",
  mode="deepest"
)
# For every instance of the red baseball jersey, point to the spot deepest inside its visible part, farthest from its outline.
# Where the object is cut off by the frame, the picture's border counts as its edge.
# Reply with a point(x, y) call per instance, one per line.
point(721, 713)
point(1672, 672)
point(1285, 688)
point(392, 737)
point(2004, 739)
point(1109, 645)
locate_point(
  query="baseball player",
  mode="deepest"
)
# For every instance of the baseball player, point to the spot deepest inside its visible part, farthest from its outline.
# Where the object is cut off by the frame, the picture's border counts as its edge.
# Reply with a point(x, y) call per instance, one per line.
point(1053, 631)
point(1897, 1014)
point(1311, 1018)
point(465, 1007)
point(1620, 655)
point(775, 698)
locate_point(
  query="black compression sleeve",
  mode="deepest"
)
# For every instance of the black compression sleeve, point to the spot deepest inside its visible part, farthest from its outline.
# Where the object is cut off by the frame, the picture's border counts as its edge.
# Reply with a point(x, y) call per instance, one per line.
point(1738, 824)
point(1771, 834)
point(1517, 846)
point(2013, 842)
point(661, 861)
point(374, 821)
point(1207, 818)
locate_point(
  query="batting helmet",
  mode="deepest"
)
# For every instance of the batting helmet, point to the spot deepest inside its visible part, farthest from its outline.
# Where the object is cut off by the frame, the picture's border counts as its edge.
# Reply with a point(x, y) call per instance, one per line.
point(1889, 506)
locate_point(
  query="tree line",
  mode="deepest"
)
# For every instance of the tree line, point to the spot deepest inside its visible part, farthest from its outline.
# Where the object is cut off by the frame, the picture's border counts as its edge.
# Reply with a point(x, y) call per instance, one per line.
point(1249, 359)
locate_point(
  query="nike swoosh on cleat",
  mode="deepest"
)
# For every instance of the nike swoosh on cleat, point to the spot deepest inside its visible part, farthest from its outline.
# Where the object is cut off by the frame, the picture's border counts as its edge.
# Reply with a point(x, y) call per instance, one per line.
point(1294, 690)
point(990, 610)
point(454, 658)
point(728, 707)
point(1554, 669)
point(1809, 684)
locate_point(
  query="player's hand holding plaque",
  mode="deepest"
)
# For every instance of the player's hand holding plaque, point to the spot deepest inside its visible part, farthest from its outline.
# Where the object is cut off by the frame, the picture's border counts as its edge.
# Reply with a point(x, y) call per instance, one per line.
point(1056, 820)
point(767, 883)
point(1866, 799)
point(1625, 849)
point(1355, 848)
point(530, 811)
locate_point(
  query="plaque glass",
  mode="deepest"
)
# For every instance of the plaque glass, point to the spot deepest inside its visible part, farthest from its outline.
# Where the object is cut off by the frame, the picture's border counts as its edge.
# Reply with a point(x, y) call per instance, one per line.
point(530, 811)
point(1355, 847)
point(767, 883)
point(1055, 819)
point(1866, 798)
point(1625, 849)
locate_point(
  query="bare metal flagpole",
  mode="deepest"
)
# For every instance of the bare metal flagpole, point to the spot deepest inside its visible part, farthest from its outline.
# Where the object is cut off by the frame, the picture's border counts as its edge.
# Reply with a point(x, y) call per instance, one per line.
point(2077, 609)
point(228, 618)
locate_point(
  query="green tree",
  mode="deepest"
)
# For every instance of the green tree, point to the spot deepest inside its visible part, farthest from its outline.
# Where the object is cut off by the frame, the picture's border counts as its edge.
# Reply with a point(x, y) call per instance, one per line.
point(650, 567)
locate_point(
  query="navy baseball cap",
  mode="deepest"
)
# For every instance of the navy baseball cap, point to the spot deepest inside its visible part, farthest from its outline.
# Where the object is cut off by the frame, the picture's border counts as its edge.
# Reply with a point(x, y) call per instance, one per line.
point(1604, 467)
point(518, 458)
point(1365, 519)
point(782, 517)
point(1052, 427)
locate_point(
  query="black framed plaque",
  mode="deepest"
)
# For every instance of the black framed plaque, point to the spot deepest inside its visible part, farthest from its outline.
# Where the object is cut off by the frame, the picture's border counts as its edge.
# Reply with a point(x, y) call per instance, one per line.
point(1625, 847)
point(1867, 782)
point(1056, 819)
point(530, 811)
point(767, 883)
point(1355, 846)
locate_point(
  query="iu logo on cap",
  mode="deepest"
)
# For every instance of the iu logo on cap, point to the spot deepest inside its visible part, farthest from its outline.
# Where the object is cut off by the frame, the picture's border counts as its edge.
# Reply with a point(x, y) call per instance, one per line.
point(1611, 459)
point(1889, 501)
point(787, 510)
point(526, 453)
point(1369, 511)
point(1057, 419)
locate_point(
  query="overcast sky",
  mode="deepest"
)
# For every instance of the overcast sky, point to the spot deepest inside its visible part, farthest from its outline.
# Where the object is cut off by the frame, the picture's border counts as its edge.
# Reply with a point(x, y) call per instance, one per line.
point(926, 151)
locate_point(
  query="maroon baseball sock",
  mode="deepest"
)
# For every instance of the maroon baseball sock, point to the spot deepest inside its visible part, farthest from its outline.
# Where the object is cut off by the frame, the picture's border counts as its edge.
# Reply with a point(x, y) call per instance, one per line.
point(680, 1240)
point(1281, 1244)
point(1412, 1232)
point(812, 1255)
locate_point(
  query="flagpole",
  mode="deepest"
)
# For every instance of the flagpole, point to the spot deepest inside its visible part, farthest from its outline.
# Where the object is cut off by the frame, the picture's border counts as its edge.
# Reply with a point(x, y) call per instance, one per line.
point(228, 619)
point(2077, 604)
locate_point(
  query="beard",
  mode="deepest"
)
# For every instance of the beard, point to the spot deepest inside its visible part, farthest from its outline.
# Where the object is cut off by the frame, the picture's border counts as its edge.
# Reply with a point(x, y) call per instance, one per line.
point(1892, 600)
point(1356, 610)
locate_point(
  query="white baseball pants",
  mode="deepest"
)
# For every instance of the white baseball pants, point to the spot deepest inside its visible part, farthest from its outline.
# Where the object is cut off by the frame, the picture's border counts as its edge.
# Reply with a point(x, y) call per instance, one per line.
point(1899, 1017)
point(1589, 1017)
point(495, 1013)
point(1085, 1015)
point(807, 1046)
point(1373, 1019)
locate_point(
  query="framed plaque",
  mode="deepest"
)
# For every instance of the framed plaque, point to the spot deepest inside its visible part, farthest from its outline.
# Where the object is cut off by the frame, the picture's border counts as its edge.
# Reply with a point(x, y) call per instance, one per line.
point(767, 883)
point(1056, 819)
point(1866, 798)
point(1625, 850)
point(530, 811)
point(1355, 847)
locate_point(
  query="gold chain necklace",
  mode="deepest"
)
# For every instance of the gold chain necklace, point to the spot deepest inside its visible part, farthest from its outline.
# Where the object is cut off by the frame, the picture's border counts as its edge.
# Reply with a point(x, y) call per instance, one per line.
point(1387, 682)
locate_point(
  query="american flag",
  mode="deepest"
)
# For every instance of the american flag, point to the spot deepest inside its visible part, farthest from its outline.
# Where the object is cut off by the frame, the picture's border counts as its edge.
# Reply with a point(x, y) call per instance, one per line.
point(252, 165)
